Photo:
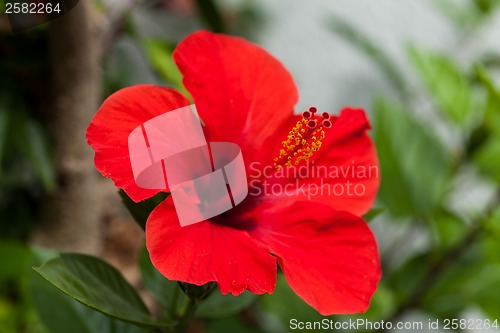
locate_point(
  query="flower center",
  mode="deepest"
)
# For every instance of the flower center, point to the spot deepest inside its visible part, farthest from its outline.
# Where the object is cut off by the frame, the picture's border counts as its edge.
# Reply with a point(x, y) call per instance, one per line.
point(304, 139)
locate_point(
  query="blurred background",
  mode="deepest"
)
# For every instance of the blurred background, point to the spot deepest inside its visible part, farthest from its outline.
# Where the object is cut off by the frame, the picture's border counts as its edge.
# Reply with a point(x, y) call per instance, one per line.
point(427, 72)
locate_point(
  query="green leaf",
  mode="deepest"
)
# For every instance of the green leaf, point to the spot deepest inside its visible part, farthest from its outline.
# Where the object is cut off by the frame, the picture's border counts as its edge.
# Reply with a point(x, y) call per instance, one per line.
point(376, 54)
point(218, 305)
point(492, 112)
point(16, 312)
point(492, 225)
point(452, 284)
point(406, 278)
point(490, 245)
point(41, 255)
point(487, 158)
point(164, 290)
point(126, 65)
point(140, 210)
point(36, 147)
point(448, 228)
point(61, 313)
point(13, 265)
point(210, 13)
point(382, 304)
point(283, 305)
point(20, 132)
point(99, 286)
point(373, 213)
point(484, 289)
point(465, 16)
point(160, 56)
point(415, 166)
point(4, 125)
point(447, 84)
point(486, 6)
point(466, 280)
point(231, 325)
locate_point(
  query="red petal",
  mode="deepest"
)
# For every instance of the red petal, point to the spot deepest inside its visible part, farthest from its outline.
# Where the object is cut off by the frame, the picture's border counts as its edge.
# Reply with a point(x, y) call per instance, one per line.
point(329, 258)
point(206, 251)
point(241, 92)
point(119, 115)
point(343, 173)
point(348, 147)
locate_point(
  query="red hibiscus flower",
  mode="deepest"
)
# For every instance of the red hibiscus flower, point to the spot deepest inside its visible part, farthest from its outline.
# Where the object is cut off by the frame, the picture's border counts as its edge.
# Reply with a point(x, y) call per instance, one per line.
point(326, 251)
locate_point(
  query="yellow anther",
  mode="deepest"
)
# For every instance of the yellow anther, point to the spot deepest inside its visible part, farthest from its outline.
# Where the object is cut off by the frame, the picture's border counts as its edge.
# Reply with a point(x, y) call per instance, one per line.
point(301, 142)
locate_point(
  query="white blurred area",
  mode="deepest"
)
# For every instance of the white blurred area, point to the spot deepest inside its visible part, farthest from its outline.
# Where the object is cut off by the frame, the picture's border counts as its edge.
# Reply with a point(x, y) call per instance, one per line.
point(330, 72)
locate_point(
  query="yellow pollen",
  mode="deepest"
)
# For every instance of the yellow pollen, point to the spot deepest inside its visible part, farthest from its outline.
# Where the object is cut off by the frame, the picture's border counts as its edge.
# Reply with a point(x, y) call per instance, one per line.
point(301, 143)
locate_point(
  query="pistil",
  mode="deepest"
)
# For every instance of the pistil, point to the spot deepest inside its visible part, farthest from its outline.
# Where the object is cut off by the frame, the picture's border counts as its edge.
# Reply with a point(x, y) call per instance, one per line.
point(304, 139)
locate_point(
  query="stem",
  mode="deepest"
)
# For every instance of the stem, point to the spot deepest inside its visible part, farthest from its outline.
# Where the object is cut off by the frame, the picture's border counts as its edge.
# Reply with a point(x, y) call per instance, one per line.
point(188, 315)
point(175, 299)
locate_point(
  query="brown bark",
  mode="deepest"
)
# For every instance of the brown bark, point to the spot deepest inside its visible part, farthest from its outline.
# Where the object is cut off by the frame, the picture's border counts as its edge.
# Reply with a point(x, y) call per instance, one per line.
point(70, 216)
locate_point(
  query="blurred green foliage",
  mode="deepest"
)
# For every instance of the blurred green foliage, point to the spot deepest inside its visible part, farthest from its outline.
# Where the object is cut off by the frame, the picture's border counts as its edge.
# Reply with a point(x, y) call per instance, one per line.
point(415, 166)
point(455, 271)
point(449, 86)
point(458, 270)
point(26, 169)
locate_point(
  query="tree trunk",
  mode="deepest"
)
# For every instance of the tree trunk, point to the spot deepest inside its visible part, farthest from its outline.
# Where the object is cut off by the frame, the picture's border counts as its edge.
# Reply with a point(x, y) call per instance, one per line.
point(70, 216)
